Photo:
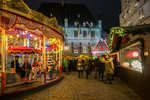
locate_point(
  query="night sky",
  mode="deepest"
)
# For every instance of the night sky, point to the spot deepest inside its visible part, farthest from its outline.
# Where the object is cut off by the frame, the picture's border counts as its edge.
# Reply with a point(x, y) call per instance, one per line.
point(109, 9)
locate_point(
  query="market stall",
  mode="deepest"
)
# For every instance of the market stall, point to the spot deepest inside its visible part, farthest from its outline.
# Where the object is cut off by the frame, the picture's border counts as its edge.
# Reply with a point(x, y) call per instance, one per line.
point(24, 31)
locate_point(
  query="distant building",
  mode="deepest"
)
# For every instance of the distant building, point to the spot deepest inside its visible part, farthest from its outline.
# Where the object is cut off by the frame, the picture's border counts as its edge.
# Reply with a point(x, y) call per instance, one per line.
point(75, 19)
point(135, 12)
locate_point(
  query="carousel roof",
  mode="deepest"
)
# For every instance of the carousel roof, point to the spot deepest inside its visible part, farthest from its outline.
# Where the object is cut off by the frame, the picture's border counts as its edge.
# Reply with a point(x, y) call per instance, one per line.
point(23, 50)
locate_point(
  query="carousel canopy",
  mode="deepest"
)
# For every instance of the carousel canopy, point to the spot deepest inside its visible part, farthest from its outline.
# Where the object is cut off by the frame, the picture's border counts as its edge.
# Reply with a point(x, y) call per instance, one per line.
point(23, 50)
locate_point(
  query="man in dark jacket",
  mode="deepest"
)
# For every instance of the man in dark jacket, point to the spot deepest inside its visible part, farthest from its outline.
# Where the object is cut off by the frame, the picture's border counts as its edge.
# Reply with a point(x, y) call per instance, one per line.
point(26, 72)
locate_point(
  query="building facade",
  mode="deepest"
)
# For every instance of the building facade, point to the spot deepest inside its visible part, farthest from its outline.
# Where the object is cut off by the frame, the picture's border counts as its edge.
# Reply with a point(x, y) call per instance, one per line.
point(134, 12)
point(82, 31)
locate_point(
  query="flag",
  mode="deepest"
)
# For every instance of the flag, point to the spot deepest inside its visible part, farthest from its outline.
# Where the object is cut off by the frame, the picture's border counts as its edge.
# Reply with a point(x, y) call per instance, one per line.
point(79, 30)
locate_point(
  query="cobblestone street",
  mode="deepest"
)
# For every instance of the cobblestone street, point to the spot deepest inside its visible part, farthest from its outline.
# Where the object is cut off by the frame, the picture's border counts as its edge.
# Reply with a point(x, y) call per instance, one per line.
point(74, 88)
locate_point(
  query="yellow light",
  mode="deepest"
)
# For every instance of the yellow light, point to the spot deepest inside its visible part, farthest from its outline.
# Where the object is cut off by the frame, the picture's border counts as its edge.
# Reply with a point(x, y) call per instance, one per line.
point(50, 41)
point(47, 42)
point(40, 40)
point(30, 34)
point(10, 36)
point(26, 31)
point(17, 35)
point(35, 38)
point(23, 33)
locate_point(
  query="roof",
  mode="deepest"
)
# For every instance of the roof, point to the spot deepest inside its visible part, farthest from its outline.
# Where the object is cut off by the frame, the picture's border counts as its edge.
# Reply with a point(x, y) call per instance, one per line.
point(101, 48)
point(69, 11)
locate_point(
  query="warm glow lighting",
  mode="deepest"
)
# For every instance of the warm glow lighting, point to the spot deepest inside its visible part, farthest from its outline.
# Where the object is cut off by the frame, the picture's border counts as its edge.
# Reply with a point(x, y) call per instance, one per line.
point(47, 42)
point(136, 64)
point(23, 33)
point(35, 38)
point(26, 31)
point(40, 40)
point(50, 41)
point(135, 54)
point(10, 36)
point(126, 64)
point(30, 34)
point(17, 35)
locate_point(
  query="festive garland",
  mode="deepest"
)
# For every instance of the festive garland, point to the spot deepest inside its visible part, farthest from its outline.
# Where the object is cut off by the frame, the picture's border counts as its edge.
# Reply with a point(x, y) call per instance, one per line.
point(122, 32)
point(115, 30)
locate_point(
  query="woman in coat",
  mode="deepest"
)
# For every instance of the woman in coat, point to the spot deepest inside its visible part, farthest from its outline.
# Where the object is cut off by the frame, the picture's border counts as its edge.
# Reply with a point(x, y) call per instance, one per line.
point(109, 68)
point(80, 67)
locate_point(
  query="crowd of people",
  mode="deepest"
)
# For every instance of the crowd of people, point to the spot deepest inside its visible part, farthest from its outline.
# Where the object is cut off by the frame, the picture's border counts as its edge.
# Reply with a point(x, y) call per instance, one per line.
point(106, 66)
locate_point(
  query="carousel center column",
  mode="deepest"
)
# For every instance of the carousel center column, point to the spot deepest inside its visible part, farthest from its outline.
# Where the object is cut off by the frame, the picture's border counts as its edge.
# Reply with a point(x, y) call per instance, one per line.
point(3, 58)
point(44, 59)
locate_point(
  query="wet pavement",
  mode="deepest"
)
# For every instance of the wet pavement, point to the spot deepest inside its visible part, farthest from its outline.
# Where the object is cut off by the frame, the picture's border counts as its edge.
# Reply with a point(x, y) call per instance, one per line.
point(74, 88)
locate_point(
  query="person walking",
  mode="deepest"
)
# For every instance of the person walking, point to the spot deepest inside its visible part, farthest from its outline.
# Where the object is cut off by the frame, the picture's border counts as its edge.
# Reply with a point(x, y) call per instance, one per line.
point(102, 67)
point(66, 65)
point(87, 67)
point(97, 65)
point(80, 67)
point(109, 69)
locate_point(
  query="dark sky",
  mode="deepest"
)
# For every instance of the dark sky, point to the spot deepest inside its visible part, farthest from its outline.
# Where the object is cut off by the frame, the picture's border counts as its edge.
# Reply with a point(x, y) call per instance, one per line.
point(109, 9)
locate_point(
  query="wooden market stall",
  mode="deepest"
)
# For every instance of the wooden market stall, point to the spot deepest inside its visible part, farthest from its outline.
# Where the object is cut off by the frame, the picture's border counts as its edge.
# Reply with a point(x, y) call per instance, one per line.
point(23, 29)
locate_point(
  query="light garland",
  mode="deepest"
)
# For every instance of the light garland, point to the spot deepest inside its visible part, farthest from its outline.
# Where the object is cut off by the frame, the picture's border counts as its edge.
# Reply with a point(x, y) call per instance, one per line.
point(136, 64)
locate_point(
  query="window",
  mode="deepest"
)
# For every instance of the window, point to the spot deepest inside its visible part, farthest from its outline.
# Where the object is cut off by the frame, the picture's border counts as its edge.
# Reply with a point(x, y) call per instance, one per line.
point(76, 34)
point(84, 34)
point(137, 2)
point(92, 34)
point(84, 49)
point(141, 13)
point(75, 49)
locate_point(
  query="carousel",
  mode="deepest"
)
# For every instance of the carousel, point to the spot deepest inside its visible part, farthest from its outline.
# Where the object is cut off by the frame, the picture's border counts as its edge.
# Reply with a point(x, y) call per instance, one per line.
point(27, 37)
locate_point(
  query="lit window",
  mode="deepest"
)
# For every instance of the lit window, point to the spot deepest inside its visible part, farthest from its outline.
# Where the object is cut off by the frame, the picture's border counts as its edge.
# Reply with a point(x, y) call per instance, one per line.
point(141, 13)
point(75, 23)
point(84, 49)
point(75, 49)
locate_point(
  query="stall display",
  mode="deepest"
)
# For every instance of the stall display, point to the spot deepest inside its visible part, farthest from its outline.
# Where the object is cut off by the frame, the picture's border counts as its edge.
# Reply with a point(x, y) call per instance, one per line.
point(131, 57)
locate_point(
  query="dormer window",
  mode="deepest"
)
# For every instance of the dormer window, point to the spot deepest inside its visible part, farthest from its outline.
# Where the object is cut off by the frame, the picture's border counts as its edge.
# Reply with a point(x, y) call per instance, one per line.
point(84, 24)
point(91, 23)
point(75, 23)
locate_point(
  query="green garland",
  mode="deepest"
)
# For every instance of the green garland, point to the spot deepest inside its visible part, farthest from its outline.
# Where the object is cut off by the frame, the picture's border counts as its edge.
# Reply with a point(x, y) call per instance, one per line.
point(122, 32)
point(115, 30)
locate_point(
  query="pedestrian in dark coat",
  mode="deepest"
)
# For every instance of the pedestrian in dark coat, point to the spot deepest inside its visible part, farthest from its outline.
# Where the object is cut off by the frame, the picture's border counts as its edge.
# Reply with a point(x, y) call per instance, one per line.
point(102, 67)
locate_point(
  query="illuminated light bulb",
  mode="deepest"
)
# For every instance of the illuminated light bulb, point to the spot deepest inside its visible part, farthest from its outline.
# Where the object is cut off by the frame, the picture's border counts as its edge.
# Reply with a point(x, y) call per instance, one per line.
point(40, 40)
point(35, 38)
point(23, 33)
point(10, 36)
point(30, 34)
point(135, 54)
point(126, 64)
point(47, 42)
point(17, 35)
point(55, 42)
point(26, 31)
point(50, 41)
